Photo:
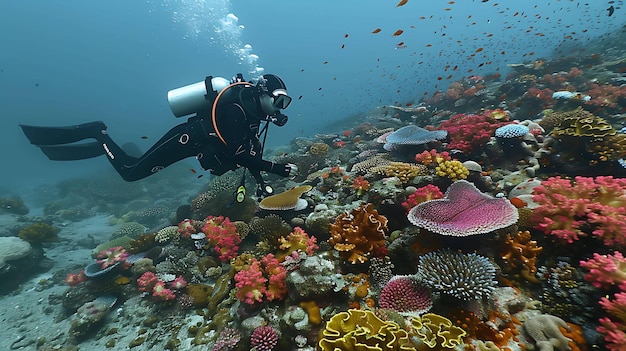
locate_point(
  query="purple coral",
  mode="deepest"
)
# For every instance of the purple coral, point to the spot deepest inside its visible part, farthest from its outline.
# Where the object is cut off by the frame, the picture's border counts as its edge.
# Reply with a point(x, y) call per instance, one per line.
point(464, 211)
point(227, 339)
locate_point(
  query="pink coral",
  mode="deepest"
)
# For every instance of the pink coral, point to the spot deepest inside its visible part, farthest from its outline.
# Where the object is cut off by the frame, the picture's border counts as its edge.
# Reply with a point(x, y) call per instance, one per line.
point(277, 278)
point(425, 193)
point(606, 270)
point(222, 234)
point(111, 256)
point(432, 157)
point(468, 133)
point(404, 294)
point(265, 279)
point(568, 209)
point(178, 283)
point(614, 328)
point(250, 283)
point(147, 281)
point(187, 227)
point(464, 211)
point(264, 338)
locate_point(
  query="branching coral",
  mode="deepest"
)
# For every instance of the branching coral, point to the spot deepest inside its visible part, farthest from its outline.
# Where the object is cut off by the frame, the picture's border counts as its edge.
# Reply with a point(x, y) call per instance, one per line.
point(298, 239)
point(519, 255)
point(222, 235)
point(264, 279)
point(425, 193)
point(586, 206)
point(606, 271)
point(359, 234)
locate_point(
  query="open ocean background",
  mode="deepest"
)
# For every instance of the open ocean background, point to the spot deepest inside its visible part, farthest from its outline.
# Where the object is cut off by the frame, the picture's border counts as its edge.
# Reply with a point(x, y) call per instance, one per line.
point(73, 61)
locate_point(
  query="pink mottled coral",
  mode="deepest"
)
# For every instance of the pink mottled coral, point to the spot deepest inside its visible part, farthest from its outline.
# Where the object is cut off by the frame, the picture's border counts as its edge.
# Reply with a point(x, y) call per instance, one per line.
point(464, 211)
point(298, 239)
point(264, 279)
point(570, 210)
point(147, 281)
point(161, 292)
point(277, 278)
point(606, 270)
point(250, 283)
point(112, 256)
point(468, 133)
point(614, 327)
point(425, 193)
point(223, 235)
point(432, 157)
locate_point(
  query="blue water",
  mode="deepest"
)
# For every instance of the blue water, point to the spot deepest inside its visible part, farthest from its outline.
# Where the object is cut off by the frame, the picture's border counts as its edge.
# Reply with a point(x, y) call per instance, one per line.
point(75, 61)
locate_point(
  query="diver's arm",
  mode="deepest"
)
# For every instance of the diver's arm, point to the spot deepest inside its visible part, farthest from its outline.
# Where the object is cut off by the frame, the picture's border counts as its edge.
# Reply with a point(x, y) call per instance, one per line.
point(256, 163)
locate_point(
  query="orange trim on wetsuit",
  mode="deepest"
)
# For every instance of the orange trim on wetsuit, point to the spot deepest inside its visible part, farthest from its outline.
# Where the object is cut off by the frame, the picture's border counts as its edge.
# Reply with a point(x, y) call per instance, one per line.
point(217, 98)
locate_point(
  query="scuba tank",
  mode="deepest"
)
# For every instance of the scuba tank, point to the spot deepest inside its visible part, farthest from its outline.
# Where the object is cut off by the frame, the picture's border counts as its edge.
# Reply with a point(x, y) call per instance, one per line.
point(197, 97)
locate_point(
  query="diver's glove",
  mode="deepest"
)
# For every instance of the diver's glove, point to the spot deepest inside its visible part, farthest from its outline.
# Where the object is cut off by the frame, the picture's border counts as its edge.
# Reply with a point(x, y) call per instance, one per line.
point(279, 119)
point(285, 170)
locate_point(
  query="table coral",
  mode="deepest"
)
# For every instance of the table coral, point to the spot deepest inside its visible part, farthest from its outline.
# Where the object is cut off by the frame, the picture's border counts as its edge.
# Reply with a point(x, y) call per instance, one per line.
point(359, 234)
point(287, 200)
point(464, 211)
point(585, 206)
point(363, 330)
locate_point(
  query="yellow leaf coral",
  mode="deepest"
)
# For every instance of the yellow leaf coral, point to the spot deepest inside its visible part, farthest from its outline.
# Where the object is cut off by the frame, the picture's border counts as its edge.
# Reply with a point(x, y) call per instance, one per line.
point(436, 331)
point(363, 330)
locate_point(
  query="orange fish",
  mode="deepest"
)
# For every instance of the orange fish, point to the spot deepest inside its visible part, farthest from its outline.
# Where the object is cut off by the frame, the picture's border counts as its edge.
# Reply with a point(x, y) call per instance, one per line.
point(398, 32)
point(377, 30)
point(402, 3)
point(519, 203)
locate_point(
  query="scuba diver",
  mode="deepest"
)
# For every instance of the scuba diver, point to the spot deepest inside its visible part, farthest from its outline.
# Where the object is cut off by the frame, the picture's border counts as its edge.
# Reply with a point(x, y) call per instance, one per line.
point(223, 132)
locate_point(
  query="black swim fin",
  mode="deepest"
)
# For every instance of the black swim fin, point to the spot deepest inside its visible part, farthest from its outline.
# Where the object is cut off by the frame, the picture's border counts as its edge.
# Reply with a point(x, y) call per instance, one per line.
point(62, 135)
point(72, 152)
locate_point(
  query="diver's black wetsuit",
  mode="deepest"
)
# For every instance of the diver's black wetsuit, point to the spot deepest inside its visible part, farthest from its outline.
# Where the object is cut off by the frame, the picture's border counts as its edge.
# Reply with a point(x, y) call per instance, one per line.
point(197, 137)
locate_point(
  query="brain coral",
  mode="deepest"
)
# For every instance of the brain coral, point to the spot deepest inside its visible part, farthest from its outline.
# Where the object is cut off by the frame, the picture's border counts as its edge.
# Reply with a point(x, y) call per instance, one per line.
point(359, 234)
point(464, 276)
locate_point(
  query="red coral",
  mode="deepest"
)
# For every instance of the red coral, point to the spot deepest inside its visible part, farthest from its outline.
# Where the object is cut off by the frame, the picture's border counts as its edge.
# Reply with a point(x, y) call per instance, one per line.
point(425, 193)
point(468, 133)
point(567, 209)
point(222, 234)
point(607, 96)
point(360, 185)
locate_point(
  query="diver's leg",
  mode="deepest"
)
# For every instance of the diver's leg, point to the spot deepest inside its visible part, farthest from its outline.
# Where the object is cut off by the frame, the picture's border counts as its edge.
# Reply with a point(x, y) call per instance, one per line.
point(180, 142)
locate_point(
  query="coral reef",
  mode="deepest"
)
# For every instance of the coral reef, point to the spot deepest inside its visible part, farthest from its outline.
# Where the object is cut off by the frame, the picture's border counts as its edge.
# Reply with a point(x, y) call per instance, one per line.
point(38, 233)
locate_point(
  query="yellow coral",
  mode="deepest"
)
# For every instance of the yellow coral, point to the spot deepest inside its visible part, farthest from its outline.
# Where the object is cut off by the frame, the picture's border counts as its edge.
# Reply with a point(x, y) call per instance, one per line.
point(363, 330)
point(452, 169)
point(287, 200)
point(436, 331)
point(403, 171)
point(359, 233)
point(319, 149)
